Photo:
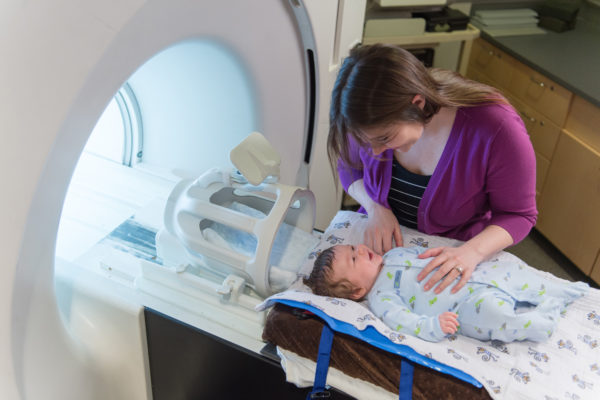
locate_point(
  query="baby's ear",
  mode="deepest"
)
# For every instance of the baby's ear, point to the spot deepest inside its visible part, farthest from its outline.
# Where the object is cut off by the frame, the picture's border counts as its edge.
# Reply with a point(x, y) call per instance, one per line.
point(358, 293)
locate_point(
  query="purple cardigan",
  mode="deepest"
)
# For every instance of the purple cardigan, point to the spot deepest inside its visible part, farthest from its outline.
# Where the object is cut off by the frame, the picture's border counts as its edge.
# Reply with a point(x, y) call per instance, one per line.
point(485, 176)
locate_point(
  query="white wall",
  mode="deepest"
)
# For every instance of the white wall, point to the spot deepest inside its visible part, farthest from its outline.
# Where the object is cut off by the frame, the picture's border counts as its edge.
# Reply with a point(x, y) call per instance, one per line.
point(337, 27)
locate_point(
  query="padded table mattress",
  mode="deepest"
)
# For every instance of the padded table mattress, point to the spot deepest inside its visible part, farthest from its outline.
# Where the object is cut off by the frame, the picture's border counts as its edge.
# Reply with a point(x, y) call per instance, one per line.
point(292, 330)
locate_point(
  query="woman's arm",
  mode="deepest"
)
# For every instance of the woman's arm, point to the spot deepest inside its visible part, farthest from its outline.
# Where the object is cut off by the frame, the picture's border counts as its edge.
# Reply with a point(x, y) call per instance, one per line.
point(510, 190)
point(382, 226)
point(467, 256)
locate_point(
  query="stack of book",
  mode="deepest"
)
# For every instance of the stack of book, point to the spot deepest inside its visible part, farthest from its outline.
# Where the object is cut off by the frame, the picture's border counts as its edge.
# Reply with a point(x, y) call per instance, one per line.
point(519, 21)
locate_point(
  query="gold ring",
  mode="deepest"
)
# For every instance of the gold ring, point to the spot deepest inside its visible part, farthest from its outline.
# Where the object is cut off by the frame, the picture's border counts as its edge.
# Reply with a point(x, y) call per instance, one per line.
point(459, 269)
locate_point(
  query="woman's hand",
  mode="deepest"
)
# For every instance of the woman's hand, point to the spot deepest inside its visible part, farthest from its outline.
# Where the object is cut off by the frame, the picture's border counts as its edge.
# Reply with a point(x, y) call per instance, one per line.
point(453, 262)
point(382, 229)
point(448, 322)
point(382, 226)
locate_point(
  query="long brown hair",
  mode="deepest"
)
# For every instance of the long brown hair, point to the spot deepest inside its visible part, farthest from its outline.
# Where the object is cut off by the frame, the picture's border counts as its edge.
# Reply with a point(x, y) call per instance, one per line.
point(375, 87)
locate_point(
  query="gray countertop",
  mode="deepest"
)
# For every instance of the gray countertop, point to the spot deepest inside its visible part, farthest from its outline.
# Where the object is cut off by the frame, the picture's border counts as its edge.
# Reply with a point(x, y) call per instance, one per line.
point(571, 59)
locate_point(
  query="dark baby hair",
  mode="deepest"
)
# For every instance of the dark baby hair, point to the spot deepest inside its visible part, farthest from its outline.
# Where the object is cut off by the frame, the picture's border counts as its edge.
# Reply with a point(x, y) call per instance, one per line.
point(320, 279)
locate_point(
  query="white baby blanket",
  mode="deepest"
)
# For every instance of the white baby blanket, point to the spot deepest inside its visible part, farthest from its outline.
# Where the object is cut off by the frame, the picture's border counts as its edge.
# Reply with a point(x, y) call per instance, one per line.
point(567, 366)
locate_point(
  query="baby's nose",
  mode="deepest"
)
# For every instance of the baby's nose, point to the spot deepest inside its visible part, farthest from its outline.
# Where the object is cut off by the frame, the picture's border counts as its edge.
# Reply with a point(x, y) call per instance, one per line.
point(362, 250)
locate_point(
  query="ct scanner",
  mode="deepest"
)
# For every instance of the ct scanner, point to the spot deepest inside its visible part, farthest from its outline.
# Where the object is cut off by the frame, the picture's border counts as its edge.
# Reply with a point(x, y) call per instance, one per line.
point(67, 333)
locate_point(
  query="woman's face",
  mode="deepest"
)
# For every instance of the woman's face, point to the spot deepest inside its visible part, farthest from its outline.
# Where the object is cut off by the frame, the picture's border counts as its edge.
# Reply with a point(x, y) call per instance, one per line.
point(399, 136)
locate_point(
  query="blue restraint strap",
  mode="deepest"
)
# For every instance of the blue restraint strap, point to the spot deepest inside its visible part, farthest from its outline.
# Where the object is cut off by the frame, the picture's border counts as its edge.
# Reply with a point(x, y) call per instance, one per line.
point(406, 370)
point(406, 380)
point(322, 364)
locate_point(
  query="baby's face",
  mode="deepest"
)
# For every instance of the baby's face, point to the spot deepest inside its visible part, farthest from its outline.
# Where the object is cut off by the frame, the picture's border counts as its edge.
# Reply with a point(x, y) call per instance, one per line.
point(358, 264)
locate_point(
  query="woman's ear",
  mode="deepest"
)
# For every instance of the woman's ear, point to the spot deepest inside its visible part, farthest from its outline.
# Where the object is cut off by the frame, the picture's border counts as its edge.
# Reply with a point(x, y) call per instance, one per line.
point(419, 101)
point(358, 293)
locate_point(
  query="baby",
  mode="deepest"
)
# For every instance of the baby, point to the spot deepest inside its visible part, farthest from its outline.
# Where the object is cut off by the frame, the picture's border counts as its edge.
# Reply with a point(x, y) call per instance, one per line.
point(485, 308)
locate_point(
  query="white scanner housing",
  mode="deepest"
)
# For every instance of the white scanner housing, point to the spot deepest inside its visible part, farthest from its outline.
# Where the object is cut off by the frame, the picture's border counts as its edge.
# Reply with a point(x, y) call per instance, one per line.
point(195, 205)
point(67, 332)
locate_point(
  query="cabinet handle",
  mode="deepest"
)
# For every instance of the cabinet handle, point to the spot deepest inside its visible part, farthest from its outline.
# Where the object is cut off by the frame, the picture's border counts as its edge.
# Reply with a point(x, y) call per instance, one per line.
point(531, 119)
point(492, 53)
point(540, 83)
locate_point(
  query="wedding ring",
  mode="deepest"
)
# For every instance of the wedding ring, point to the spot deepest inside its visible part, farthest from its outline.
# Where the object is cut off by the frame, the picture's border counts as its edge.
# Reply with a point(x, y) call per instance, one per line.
point(459, 269)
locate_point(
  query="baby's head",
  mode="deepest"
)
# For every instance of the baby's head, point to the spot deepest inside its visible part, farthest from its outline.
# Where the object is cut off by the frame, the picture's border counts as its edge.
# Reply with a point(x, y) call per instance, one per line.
point(344, 271)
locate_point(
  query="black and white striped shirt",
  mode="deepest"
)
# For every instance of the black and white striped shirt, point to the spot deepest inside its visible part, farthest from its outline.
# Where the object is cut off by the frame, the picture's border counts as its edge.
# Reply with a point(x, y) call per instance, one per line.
point(405, 194)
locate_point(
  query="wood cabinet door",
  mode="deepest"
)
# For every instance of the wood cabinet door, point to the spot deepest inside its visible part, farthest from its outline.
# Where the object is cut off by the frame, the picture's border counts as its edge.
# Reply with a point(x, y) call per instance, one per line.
point(570, 202)
point(475, 74)
point(543, 132)
point(584, 119)
point(595, 275)
point(493, 63)
point(540, 93)
point(544, 136)
point(541, 171)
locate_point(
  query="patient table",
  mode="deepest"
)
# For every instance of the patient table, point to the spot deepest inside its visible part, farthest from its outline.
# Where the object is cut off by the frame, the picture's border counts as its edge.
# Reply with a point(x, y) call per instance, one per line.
point(566, 366)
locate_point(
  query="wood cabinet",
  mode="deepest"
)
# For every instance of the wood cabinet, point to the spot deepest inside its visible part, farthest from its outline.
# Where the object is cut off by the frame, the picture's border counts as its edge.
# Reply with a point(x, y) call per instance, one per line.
point(490, 62)
point(584, 122)
point(595, 275)
point(541, 102)
point(570, 204)
point(539, 92)
point(544, 135)
point(565, 133)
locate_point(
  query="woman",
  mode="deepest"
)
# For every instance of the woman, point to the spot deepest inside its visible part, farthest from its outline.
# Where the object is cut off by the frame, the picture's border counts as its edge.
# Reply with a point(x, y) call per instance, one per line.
point(435, 151)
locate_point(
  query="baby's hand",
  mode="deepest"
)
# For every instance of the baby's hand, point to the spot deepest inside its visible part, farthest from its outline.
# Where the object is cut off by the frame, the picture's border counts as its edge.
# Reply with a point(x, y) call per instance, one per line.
point(448, 322)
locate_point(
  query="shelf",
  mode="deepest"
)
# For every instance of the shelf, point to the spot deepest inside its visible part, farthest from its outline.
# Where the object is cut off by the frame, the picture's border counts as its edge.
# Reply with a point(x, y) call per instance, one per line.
point(427, 37)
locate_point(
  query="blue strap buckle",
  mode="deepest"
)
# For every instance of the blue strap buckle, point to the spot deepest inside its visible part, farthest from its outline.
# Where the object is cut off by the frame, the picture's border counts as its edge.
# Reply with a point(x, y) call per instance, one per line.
point(325, 394)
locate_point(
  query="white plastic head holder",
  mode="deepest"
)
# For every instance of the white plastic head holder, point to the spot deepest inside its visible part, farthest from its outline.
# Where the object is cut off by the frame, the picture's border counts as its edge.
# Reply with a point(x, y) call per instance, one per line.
point(195, 205)
point(256, 159)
